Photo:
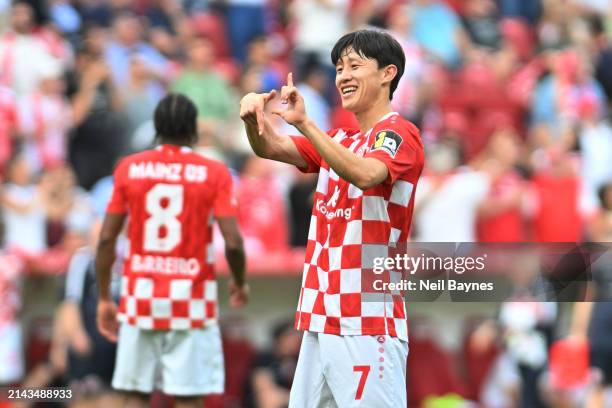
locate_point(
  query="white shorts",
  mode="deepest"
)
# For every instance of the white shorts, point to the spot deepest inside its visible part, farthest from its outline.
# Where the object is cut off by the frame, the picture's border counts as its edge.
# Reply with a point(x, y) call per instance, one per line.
point(350, 371)
point(178, 362)
point(11, 354)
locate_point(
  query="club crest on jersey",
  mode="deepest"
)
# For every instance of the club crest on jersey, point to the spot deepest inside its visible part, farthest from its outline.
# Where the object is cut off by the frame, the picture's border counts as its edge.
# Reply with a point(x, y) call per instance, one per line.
point(388, 141)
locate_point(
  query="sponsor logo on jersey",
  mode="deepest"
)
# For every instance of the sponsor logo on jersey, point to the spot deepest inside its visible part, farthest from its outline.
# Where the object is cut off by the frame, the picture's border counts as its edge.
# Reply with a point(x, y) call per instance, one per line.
point(388, 141)
point(333, 201)
point(328, 209)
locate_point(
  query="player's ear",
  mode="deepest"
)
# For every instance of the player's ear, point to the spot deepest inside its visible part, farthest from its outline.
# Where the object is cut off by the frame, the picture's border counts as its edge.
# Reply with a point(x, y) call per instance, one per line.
point(389, 72)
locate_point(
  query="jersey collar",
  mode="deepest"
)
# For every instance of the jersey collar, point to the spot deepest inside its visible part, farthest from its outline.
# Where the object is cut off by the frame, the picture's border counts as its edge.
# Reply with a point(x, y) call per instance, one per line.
point(173, 148)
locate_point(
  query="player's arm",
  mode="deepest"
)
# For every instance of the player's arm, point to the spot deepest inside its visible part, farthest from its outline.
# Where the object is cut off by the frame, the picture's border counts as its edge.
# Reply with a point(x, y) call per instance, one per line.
point(225, 209)
point(363, 172)
point(264, 140)
point(105, 256)
point(236, 259)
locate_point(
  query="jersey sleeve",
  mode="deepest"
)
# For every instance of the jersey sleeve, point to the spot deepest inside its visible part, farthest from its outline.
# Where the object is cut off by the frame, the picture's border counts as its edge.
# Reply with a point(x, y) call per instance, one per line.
point(308, 153)
point(395, 146)
point(226, 204)
point(118, 203)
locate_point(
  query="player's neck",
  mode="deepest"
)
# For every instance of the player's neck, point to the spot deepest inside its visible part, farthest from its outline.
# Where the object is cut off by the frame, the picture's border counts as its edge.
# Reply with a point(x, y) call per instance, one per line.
point(176, 144)
point(368, 118)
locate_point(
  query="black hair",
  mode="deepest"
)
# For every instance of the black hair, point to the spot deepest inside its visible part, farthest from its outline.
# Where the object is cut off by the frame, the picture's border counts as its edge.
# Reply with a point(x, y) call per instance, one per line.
point(176, 120)
point(602, 192)
point(376, 45)
point(281, 328)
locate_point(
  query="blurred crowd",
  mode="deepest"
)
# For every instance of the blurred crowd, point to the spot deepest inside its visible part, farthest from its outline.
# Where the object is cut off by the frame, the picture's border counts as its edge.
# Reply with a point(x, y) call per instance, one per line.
point(512, 98)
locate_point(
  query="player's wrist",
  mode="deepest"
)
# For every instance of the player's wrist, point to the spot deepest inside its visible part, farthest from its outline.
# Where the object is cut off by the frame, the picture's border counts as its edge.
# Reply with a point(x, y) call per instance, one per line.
point(239, 284)
point(303, 125)
point(104, 297)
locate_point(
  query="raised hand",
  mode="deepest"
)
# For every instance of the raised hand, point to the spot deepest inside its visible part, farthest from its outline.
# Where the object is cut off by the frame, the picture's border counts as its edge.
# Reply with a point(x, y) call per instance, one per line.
point(252, 108)
point(295, 114)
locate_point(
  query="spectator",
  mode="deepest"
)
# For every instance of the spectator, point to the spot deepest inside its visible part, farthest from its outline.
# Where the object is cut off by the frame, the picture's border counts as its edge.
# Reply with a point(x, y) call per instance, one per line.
point(591, 319)
point(409, 95)
point(554, 197)
point(559, 96)
point(139, 97)
point(165, 15)
point(24, 214)
point(595, 141)
point(260, 204)
point(500, 213)
point(602, 227)
point(438, 30)
point(12, 364)
point(65, 16)
point(273, 371)
point(448, 198)
point(300, 200)
point(206, 88)
point(128, 42)
point(23, 55)
point(529, 10)
point(312, 88)
point(98, 136)
point(318, 23)
point(45, 118)
point(8, 124)
point(245, 21)
point(527, 322)
point(88, 357)
point(481, 21)
point(259, 56)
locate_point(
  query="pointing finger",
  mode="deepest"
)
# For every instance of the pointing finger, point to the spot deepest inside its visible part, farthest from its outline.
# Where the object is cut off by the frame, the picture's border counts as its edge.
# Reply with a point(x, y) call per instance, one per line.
point(290, 79)
point(260, 119)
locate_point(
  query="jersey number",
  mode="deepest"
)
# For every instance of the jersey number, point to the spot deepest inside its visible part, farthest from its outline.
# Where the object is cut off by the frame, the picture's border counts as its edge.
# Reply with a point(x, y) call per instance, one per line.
point(162, 230)
point(364, 370)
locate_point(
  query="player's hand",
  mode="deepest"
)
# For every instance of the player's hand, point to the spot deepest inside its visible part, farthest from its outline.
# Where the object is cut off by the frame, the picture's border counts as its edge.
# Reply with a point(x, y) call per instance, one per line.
point(239, 295)
point(252, 108)
point(107, 319)
point(81, 343)
point(295, 114)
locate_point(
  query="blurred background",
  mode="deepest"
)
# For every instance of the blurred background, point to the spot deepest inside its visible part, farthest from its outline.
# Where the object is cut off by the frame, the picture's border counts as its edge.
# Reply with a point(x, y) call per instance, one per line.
point(512, 98)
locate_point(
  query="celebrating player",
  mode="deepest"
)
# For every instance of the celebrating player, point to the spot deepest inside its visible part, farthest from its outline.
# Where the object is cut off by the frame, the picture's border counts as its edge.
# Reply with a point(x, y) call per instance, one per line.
point(354, 351)
point(168, 307)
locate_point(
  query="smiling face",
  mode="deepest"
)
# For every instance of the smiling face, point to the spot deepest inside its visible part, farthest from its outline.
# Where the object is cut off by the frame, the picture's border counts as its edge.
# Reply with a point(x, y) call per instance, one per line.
point(360, 81)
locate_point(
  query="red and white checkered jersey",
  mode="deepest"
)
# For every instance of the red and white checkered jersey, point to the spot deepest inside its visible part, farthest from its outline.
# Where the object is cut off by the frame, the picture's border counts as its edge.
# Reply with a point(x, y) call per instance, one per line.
point(171, 195)
point(348, 225)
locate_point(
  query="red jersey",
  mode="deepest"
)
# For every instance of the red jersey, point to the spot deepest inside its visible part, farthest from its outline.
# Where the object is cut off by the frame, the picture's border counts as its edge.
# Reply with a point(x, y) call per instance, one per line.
point(8, 122)
point(507, 226)
point(171, 195)
point(348, 223)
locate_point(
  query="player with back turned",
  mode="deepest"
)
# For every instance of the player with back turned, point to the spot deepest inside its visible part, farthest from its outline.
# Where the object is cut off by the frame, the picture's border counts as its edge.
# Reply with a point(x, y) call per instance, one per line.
point(354, 351)
point(166, 322)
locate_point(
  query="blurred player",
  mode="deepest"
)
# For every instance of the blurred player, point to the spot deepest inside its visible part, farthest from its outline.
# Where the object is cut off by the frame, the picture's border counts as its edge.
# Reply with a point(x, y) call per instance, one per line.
point(168, 309)
point(354, 351)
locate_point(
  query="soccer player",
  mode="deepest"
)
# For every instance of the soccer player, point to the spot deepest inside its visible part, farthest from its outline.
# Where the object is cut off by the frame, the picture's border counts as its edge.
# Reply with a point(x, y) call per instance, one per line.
point(166, 323)
point(354, 351)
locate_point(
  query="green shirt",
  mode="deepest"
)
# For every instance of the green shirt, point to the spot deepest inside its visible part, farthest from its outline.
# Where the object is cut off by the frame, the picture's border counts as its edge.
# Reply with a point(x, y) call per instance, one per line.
point(209, 92)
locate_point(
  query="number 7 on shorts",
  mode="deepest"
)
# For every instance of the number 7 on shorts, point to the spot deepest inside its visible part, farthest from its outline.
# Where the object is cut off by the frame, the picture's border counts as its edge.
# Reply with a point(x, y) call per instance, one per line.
point(364, 370)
